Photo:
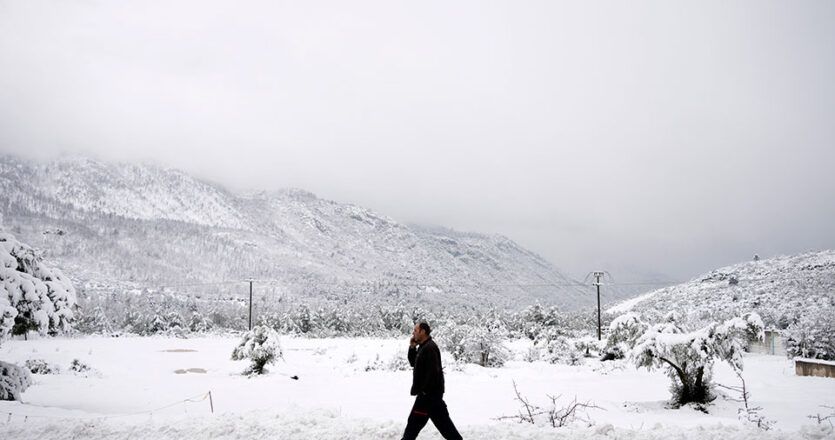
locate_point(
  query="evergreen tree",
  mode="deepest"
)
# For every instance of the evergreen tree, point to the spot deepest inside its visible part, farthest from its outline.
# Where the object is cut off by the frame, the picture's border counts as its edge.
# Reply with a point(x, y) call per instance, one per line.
point(198, 323)
point(158, 323)
point(261, 346)
point(100, 323)
point(42, 297)
point(32, 297)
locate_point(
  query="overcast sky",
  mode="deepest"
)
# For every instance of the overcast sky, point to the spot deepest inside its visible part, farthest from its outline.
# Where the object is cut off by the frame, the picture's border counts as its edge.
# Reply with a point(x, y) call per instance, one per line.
point(638, 137)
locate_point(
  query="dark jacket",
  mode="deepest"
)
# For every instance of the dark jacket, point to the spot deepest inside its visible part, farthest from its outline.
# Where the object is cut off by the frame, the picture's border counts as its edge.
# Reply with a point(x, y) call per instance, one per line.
point(428, 374)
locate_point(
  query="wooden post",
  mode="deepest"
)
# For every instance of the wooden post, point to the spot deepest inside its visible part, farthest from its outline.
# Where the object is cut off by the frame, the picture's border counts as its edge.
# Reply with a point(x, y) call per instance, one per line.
point(250, 304)
point(597, 276)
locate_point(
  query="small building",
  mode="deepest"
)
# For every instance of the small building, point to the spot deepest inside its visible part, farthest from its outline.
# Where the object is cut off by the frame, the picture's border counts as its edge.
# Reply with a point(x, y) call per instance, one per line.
point(814, 367)
point(773, 343)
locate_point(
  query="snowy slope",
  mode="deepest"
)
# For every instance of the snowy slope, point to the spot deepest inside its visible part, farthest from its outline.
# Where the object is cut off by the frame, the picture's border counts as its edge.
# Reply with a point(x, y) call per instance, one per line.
point(143, 225)
point(780, 289)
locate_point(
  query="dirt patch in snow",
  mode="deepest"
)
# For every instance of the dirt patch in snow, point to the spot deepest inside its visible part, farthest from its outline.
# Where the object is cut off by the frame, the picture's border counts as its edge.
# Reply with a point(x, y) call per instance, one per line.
point(190, 370)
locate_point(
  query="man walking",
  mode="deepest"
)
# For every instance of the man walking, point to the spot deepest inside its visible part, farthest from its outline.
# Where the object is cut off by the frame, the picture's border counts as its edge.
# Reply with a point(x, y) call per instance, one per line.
point(428, 386)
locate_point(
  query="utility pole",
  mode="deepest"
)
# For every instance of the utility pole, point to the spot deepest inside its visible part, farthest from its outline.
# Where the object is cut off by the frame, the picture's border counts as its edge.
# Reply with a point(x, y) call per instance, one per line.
point(250, 304)
point(597, 275)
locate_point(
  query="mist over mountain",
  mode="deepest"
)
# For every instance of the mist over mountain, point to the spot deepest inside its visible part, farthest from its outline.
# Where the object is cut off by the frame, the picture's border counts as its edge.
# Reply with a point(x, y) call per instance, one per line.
point(139, 226)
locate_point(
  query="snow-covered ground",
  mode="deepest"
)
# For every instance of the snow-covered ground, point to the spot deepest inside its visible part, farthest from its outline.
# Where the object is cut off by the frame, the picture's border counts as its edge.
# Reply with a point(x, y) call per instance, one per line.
point(135, 391)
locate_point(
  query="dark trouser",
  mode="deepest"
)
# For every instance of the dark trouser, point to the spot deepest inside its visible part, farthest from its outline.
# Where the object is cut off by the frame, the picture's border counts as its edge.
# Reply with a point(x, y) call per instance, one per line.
point(430, 407)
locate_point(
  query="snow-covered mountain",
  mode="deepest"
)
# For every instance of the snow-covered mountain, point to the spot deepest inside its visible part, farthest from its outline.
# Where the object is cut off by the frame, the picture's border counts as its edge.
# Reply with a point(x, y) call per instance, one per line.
point(131, 191)
point(129, 225)
point(781, 289)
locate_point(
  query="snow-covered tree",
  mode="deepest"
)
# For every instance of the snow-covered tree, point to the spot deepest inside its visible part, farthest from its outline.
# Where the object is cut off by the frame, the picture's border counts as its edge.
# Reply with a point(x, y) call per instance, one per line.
point(175, 322)
point(261, 346)
point(302, 320)
point(158, 323)
point(477, 342)
point(7, 316)
point(133, 322)
point(624, 331)
point(486, 346)
point(99, 322)
point(13, 381)
point(813, 335)
point(43, 299)
point(334, 322)
point(531, 321)
point(556, 348)
point(687, 357)
point(588, 346)
point(198, 323)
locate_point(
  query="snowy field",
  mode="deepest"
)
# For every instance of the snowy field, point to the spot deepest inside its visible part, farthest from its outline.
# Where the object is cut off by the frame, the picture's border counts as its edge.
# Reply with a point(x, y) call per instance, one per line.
point(138, 387)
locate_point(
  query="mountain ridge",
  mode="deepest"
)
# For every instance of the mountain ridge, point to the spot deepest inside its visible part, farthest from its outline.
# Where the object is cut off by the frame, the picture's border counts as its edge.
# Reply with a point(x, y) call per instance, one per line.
point(142, 223)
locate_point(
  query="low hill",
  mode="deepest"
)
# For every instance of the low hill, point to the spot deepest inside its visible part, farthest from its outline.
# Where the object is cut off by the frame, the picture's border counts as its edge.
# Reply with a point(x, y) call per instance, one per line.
point(783, 290)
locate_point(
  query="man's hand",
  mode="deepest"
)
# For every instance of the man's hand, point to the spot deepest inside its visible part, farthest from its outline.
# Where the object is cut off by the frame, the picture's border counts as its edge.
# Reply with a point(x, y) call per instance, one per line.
point(412, 342)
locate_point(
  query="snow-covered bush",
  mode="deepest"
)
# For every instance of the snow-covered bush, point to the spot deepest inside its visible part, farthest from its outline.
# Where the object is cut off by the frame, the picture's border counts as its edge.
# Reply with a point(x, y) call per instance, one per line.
point(612, 353)
point(40, 366)
point(625, 330)
point(395, 319)
point(259, 345)
point(453, 340)
point(473, 343)
point(688, 357)
point(78, 366)
point(7, 316)
point(531, 354)
point(351, 359)
point(588, 346)
point(535, 319)
point(556, 348)
point(487, 346)
point(32, 295)
point(397, 362)
point(812, 336)
point(13, 381)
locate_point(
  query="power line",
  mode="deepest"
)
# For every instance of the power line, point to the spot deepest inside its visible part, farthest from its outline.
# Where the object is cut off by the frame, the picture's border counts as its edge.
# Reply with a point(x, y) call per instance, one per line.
point(657, 283)
point(383, 283)
point(165, 286)
point(378, 284)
